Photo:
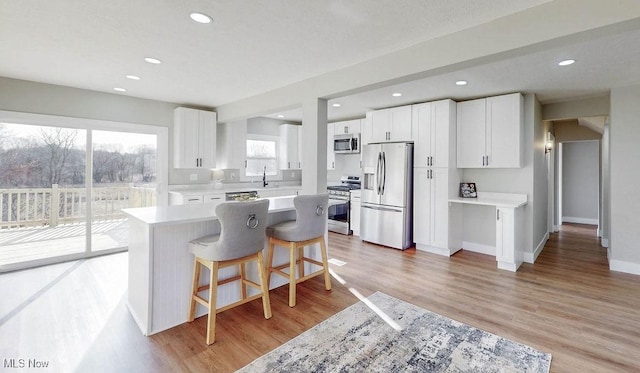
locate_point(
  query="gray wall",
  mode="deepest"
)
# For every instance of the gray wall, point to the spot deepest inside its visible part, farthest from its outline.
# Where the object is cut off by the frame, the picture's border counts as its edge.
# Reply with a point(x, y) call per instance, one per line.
point(40, 98)
point(625, 200)
point(580, 181)
point(479, 222)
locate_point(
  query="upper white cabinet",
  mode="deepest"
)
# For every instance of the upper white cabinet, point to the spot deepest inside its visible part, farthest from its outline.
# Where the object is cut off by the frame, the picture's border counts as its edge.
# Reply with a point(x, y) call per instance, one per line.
point(490, 132)
point(194, 138)
point(347, 126)
point(331, 156)
point(390, 125)
point(231, 145)
point(290, 147)
point(433, 133)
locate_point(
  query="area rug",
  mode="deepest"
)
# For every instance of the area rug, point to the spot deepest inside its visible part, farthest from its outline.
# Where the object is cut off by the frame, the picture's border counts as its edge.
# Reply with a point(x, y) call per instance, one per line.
point(385, 334)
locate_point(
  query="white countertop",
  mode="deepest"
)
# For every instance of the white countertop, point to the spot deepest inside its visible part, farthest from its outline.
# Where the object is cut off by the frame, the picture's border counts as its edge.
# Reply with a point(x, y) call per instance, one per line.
point(179, 214)
point(510, 200)
point(195, 190)
point(194, 213)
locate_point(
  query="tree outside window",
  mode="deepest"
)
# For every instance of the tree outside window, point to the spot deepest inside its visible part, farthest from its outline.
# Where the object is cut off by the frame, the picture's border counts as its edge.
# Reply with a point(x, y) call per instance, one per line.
point(262, 157)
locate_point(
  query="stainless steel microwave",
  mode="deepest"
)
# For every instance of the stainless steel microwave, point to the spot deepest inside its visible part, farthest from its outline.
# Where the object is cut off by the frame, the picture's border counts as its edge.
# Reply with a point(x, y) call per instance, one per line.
point(347, 143)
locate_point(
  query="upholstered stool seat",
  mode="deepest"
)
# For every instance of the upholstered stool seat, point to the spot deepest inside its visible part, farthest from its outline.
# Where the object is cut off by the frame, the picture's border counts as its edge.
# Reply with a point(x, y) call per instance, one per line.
point(241, 240)
point(309, 228)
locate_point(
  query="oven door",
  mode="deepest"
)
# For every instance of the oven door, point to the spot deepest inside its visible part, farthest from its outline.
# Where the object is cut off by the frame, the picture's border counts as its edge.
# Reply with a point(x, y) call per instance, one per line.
point(338, 215)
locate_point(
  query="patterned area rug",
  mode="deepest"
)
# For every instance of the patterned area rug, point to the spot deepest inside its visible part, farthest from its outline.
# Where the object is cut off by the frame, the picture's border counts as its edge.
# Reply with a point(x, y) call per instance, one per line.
point(385, 334)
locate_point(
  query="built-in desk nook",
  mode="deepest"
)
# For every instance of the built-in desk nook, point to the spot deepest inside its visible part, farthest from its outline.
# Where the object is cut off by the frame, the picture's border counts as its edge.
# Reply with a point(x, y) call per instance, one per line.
point(509, 225)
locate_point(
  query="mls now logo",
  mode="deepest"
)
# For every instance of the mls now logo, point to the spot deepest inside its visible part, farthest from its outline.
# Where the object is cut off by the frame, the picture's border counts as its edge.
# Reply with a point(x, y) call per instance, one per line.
point(24, 363)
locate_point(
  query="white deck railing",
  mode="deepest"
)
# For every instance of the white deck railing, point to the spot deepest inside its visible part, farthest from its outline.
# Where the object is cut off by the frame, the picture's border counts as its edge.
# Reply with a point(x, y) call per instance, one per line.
point(53, 206)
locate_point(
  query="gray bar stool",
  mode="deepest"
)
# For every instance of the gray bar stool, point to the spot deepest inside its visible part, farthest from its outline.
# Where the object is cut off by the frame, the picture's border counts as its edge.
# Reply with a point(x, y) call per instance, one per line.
point(241, 240)
point(309, 228)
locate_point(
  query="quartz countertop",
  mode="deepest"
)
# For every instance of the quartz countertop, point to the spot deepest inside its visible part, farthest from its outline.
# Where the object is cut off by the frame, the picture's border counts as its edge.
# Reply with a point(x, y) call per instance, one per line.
point(196, 190)
point(161, 215)
point(179, 214)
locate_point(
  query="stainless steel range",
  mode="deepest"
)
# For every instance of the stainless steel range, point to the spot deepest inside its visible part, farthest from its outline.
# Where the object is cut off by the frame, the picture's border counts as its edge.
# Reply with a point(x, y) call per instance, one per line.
point(339, 214)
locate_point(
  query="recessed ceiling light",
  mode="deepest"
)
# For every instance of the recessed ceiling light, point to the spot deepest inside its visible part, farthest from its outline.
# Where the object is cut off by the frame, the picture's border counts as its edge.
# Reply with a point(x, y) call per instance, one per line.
point(119, 89)
point(566, 62)
point(200, 18)
point(153, 60)
point(397, 94)
point(461, 82)
point(133, 77)
point(336, 105)
point(280, 116)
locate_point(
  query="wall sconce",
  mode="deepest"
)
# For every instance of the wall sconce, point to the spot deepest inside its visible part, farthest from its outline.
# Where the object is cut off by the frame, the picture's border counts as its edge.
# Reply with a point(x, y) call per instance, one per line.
point(548, 144)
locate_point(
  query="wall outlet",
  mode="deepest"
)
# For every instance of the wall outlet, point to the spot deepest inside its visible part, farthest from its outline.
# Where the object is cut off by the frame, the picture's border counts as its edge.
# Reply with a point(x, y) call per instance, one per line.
point(193, 177)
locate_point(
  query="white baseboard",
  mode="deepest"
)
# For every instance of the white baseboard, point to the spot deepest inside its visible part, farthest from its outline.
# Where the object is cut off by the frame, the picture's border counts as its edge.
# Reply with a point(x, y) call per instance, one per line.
point(436, 250)
point(570, 219)
point(532, 257)
point(479, 248)
point(556, 228)
point(604, 242)
point(626, 267)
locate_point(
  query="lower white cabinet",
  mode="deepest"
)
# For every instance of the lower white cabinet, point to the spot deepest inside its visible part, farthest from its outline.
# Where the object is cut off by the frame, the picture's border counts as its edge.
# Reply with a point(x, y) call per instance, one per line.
point(509, 253)
point(431, 212)
point(355, 212)
point(177, 198)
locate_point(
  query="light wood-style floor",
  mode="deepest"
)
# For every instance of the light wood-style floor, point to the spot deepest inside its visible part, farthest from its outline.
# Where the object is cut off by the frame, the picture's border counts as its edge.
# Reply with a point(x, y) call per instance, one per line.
point(568, 303)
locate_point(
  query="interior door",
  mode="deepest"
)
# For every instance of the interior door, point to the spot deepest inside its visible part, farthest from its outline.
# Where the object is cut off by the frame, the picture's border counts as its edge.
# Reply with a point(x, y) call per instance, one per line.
point(394, 175)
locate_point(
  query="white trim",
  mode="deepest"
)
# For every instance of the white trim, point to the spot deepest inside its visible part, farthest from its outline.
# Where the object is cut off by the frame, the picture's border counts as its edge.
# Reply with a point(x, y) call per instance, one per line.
point(436, 250)
point(479, 248)
point(571, 219)
point(604, 242)
point(626, 267)
point(532, 257)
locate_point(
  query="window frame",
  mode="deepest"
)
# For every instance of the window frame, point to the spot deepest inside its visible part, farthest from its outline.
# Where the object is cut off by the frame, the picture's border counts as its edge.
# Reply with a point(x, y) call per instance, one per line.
point(258, 137)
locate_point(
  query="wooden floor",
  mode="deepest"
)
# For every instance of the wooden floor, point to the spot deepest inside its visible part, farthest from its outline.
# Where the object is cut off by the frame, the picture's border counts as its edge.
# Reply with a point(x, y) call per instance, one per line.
point(568, 303)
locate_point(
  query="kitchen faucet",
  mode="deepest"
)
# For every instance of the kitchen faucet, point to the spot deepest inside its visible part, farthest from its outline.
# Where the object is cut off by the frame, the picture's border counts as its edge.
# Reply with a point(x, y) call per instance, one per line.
point(264, 177)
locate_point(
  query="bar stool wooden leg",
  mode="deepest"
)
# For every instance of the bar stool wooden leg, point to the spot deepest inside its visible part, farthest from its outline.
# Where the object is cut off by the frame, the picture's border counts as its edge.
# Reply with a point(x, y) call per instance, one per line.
point(213, 294)
point(266, 303)
point(300, 261)
point(243, 277)
point(194, 289)
point(325, 264)
point(270, 250)
point(292, 274)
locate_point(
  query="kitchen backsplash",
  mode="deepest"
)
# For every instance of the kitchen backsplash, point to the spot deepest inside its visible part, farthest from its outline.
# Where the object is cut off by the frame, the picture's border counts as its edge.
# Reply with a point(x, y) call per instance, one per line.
point(230, 176)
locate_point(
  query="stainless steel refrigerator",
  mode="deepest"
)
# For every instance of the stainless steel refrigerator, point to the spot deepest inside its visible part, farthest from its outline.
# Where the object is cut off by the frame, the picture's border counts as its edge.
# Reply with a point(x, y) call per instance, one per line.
point(386, 212)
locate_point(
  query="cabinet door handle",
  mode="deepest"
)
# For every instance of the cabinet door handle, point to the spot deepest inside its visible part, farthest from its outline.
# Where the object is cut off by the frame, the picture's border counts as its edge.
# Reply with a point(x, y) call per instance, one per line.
point(483, 161)
point(497, 214)
point(487, 159)
point(288, 164)
point(245, 163)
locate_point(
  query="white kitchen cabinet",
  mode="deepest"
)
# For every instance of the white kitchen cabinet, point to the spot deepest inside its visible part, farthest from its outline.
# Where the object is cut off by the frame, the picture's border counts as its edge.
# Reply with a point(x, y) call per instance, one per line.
point(433, 133)
point(194, 135)
point(347, 126)
point(490, 132)
point(431, 213)
point(390, 125)
point(509, 253)
point(290, 147)
point(366, 128)
point(355, 211)
point(435, 178)
point(187, 198)
point(231, 145)
point(331, 155)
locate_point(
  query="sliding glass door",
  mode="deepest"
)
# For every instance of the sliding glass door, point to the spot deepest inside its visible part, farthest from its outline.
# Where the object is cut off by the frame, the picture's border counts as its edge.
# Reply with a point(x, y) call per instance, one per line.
point(62, 189)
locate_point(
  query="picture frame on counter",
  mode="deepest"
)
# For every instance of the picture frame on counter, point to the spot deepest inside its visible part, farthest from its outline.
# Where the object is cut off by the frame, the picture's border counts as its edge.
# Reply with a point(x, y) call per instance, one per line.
point(468, 190)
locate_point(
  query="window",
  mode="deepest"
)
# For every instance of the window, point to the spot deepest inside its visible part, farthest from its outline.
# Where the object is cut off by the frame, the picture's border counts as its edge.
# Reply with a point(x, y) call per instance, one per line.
point(262, 156)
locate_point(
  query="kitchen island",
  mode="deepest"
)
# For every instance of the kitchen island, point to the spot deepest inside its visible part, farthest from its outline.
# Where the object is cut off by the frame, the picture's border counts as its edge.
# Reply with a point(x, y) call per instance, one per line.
point(161, 267)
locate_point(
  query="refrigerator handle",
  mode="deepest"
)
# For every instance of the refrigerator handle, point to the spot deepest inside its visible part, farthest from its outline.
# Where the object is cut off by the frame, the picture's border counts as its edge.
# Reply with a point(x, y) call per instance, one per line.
point(384, 171)
point(378, 166)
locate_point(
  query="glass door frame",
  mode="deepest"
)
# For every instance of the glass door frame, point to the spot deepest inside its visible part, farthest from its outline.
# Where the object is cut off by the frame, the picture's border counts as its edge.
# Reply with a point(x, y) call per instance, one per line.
point(90, 125)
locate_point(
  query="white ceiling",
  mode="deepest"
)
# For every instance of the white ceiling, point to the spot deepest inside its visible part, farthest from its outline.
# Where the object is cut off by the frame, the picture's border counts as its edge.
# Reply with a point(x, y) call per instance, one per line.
point(256, 46)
